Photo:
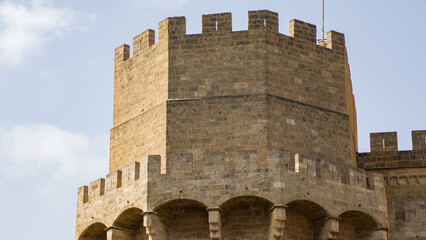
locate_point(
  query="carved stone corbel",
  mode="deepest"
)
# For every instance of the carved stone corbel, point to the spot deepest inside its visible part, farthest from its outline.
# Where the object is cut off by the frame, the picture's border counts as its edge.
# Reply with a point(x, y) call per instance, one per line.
point(215, 223)
point(155, 227)
point(277, 217)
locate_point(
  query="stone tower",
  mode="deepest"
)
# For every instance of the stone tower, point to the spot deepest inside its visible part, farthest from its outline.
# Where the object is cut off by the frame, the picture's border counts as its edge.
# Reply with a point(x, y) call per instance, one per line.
point(233, 135)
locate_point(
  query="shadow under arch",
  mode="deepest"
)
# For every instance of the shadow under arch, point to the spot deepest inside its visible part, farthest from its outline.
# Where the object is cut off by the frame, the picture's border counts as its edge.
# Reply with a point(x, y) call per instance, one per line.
point(235, 201)
point(184, 219)
point(360, 220)
point(313, 211)
point(96, 231)
point(245, 217)
point(161, 208)
point(130, 218)
point(130, 224)
point(304, 220)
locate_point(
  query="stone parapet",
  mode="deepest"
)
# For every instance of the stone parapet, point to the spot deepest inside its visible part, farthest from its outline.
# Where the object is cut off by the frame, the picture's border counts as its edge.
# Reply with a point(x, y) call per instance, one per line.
point(288, 178)
point(385, 155)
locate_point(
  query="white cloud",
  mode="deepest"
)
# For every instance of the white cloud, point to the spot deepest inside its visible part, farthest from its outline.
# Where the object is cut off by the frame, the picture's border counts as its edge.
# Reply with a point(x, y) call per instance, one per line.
point(44, 149)
point(25, 28)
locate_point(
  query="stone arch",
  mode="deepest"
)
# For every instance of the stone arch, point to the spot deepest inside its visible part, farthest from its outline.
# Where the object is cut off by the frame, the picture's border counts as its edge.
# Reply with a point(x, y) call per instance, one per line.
point(184, 219)
point(129, 225)
point(96, 231)
point(245, 217)
point(304, 220)
point(359, 225)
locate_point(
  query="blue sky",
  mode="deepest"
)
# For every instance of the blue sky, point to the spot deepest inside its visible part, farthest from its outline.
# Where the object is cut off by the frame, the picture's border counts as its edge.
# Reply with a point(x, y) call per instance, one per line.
point(56, 87)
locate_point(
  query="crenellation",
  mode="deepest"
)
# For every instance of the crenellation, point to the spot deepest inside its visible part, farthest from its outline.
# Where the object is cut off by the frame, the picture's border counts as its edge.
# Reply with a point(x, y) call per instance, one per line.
point(131, 173)
point(375, 181)
point(382, 142)
point(97, 189)
point(331, 172)
point(82, 195)
point(385, 154)
point(263, 19)
point(357, 177)
point(336, 41)
point(419, 140)
point(113, 180)
point(154, 166)
point(220, 22)
point(122, 53)
point(143, 41)
point(303, 30)
point(246, 161)
point(304, 165)
point(171, 27)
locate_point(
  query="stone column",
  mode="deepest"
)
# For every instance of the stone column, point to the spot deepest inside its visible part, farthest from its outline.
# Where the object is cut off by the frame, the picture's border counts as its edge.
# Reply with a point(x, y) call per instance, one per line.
point(277, 216)
point(215, 223)
point(116, 233)
point(155, 227)
point(326, 229)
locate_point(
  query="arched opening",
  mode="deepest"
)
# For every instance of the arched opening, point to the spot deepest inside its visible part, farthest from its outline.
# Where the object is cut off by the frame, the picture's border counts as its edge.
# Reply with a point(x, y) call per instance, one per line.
point(129, 224)
point(303, 220)
point(357, 225)
point(245, 217)
point(185, 219)
point(96, 231)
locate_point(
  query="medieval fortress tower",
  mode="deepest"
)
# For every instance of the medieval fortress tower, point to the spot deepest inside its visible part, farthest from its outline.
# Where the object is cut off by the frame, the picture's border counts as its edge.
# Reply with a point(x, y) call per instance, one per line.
point(247, 135)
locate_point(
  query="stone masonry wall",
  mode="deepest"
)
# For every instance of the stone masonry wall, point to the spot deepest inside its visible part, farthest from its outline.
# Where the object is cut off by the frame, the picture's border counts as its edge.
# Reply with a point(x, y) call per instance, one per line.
point(298, 127)
point(138, 137)
point(258, 63)
point(140, 91)
point(255, 134)
point(405, 181)
point(296, 181)
point(205, 125)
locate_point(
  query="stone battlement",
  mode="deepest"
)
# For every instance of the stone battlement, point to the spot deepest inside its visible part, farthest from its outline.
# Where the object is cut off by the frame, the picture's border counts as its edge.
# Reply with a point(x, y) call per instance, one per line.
point(262, 21)
point(388, 141)
point(385, 155)
point(215, 165)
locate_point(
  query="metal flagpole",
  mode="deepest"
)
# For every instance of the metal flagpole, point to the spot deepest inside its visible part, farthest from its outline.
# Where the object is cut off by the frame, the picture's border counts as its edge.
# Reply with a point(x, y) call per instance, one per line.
point(322, 20)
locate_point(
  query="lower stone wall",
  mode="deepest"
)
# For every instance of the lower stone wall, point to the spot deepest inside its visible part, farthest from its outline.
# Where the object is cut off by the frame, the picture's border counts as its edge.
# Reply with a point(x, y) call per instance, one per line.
point(188, 223)
point(346, 230)
point(246, 221)
point(296, 197)
point(406, 196)
point(297, 226)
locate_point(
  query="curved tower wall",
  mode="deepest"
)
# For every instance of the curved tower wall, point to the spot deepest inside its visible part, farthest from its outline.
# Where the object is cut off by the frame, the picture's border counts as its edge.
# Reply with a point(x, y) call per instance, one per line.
point(227, 91)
